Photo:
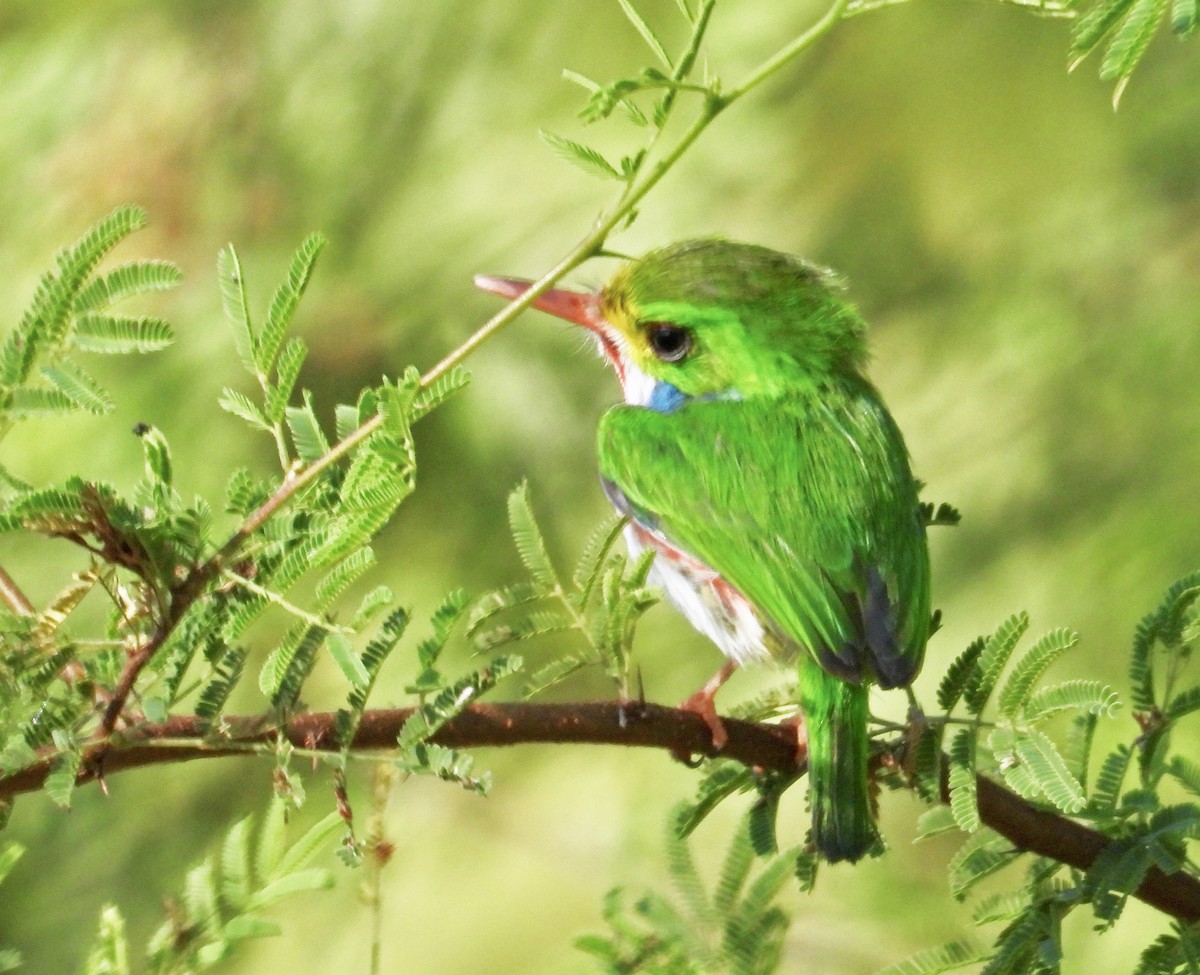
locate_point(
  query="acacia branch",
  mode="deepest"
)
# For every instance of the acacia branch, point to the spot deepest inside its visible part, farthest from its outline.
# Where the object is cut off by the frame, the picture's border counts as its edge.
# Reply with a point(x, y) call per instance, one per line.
point(764, 746)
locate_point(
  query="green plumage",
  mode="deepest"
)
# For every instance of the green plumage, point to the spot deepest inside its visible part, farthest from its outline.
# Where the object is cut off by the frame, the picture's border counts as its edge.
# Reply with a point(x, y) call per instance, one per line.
point(783, 472)
point(761, 465)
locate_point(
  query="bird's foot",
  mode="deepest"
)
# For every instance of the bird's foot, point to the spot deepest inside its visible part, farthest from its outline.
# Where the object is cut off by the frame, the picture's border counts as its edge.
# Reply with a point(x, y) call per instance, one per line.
point(703, 704)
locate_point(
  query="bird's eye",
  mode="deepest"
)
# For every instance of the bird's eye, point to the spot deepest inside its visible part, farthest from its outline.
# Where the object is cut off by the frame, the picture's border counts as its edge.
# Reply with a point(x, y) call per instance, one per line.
point(669, 342)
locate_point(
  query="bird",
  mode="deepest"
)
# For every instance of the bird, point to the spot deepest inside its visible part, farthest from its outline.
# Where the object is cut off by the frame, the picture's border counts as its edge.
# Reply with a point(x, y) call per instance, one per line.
point(758, 461)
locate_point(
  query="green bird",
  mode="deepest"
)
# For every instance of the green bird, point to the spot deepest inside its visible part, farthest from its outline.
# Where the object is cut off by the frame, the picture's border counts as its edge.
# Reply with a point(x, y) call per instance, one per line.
point(756, 459)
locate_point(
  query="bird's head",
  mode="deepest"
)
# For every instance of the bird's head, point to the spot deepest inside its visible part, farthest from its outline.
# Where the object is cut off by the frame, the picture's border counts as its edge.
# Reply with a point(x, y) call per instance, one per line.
point(711, 318)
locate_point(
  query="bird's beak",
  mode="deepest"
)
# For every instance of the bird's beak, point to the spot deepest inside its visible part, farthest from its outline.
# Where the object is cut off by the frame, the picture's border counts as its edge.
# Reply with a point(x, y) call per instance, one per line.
point(573, 306)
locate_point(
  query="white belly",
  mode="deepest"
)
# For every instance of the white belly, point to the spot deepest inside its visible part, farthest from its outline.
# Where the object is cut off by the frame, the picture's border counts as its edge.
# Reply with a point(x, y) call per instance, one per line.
point(706, 600)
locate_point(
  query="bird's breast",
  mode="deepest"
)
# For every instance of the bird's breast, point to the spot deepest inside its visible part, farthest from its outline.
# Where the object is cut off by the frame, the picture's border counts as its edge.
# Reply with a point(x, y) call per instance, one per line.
point(706, 600)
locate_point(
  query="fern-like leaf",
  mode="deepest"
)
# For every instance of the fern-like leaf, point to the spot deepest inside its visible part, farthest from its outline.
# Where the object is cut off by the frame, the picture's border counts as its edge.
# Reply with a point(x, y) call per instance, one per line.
point(1030, 667)
point(962, 670)
point(1086, 695)
point(585, 157)
point(129, 279)
point(949, 957)
point(1046, 765)
point(237, 307)
point(286, 298)
point(963, 801)
point(431, 397)
point(306, 430)
point(996, 651)
point(287, 369)
point(528, 538)
point(121, 334)
point(78, 386)
point(980, 856)
point(647, 33)
point(1129, 43)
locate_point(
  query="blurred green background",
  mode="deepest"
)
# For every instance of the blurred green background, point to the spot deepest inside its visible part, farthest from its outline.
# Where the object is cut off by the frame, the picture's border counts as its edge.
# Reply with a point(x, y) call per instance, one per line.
point(1028, 260)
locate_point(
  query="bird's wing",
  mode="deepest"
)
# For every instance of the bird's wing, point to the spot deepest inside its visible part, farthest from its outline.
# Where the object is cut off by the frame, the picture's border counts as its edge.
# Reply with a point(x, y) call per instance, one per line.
point(806, 505)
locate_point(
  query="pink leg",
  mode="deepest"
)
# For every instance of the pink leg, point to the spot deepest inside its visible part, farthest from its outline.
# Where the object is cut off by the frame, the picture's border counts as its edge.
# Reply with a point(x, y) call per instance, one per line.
point(702, 703)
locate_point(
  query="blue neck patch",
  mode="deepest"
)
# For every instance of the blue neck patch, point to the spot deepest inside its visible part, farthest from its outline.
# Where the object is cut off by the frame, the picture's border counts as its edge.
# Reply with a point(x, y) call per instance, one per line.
point(665, 398)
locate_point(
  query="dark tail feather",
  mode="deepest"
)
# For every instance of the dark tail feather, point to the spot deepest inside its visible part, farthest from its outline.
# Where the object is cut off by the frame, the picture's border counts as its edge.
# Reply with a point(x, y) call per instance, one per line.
point(835, 717)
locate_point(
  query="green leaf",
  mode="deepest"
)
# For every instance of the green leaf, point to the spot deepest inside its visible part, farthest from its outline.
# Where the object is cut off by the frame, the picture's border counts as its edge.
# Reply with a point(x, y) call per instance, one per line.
point(70, 380)
point(299, 881)
point(1090, 29)
point(343, 575)
point(246, 926)
point(120, 335)
point(1029, 669)
point(347, 660)
point(585, 157)
point(647, 33)
point(226, 673)
point(287, 372)
point(60, 783)
point(236, 880)
point(10, 853)
point(302, 852)
point(556, 671)
point(285, 300)
point(237, 307)
point(431, 397)
point(110, 951)
point(289, 665)
point(1183, 704)
point(996, 651)
point(980, 856)
point(1087, 695)
point(949, 957)
point(935, 821)
point(964, 804)
point(272, 840)
point(371, 604)
point(1129, 42)
point(488, 607)
point(36, 401)
point(444, 618)
point(1185, 17)
point(157, 453)
point(240, 405)
point(959, 674)
point(306, 431)
point(1048, 768)
point(1108, 781)
point(129, 279)
point(528, 538)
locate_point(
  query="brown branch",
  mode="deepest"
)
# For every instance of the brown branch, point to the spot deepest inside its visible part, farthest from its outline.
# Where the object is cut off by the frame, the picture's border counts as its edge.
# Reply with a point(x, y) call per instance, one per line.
point(764, 746)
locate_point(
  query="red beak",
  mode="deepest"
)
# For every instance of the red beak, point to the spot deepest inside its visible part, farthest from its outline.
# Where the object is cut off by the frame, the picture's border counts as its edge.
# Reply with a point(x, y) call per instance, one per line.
point(570, 305)
point(573, 306)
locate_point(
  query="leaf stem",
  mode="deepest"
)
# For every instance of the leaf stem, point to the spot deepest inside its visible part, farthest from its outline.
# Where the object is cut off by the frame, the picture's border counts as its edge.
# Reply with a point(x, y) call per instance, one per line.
point(14, 597)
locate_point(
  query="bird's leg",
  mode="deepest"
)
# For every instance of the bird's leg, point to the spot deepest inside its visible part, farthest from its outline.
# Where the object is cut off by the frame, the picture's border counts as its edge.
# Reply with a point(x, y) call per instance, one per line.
point(702, 703)
point(797, 722)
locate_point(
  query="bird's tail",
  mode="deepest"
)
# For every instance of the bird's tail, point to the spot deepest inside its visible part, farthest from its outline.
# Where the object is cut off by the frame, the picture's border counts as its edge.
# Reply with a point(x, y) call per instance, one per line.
point(835, 717)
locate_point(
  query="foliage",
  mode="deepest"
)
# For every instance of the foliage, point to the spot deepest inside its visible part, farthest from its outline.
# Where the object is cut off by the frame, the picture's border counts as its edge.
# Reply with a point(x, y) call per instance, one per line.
point(223, 899)
point(736, 927)
point(603, 602)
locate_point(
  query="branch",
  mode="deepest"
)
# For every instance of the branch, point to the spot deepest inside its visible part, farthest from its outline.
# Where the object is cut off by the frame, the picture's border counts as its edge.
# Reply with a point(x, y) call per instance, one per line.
point(636, 725)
